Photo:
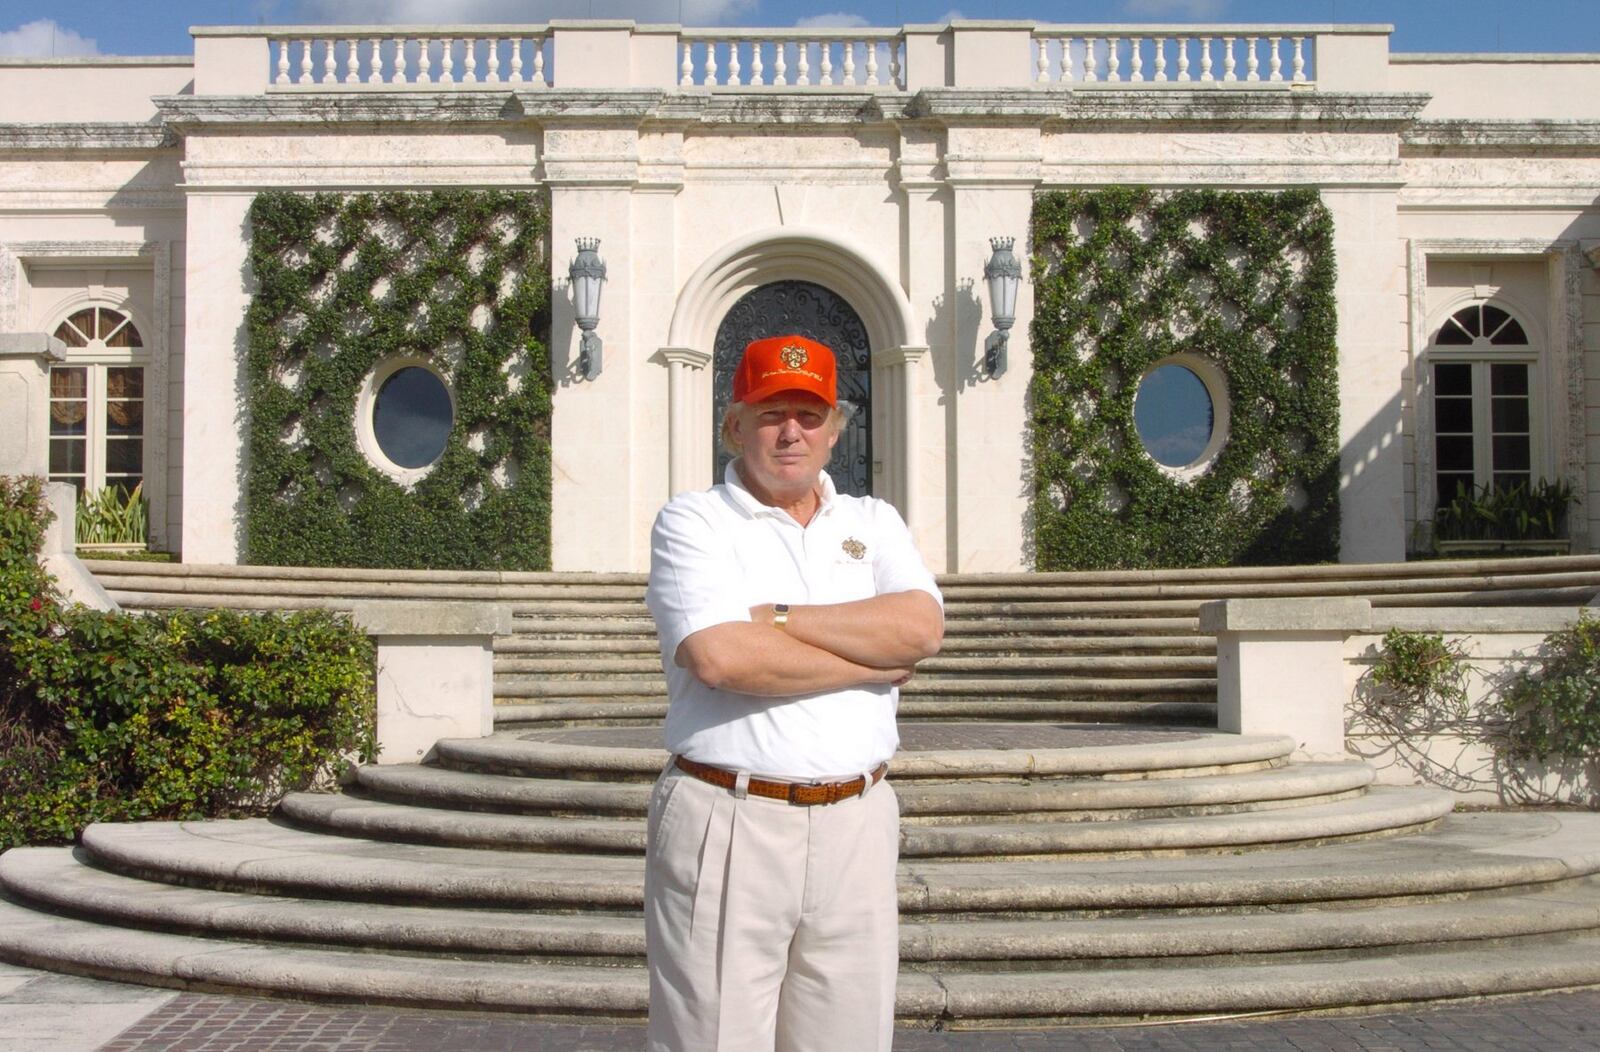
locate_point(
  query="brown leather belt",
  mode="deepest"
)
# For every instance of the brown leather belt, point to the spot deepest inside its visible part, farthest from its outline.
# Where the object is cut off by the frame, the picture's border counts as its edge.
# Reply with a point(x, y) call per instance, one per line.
point(800, 794)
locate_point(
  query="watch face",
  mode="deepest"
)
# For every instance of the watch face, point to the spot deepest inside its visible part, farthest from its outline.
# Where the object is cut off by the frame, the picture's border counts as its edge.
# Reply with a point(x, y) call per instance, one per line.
point(780, 608)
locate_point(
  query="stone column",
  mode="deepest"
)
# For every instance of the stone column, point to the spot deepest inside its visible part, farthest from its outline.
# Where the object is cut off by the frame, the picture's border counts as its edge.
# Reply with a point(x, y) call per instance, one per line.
point(215, 339)
point(900, 371)
point(1280, 667)
point(25, 360)
point(686, 417)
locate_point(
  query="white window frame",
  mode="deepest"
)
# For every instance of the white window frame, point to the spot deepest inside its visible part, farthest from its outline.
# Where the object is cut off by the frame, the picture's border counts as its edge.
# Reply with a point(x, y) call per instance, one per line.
point(96, 359)
point(1481, 354)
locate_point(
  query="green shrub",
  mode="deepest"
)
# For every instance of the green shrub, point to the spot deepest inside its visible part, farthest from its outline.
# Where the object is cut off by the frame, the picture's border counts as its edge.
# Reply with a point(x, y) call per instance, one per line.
point(1419, 678)
point(114, 717)
point(1552, 711)
point(113, 516)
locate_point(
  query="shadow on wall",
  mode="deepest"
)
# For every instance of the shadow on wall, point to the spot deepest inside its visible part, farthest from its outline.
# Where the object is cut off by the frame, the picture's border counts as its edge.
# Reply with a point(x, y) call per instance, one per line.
point(955, 316)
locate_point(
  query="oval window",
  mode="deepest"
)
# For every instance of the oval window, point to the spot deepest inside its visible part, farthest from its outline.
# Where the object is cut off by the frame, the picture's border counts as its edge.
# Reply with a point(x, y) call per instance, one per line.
point(412, 416)
point(1174, 415)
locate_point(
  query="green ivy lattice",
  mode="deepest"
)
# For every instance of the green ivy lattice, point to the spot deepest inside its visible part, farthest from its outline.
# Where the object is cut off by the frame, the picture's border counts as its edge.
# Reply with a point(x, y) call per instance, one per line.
point(458, 278)
point(1126, 277)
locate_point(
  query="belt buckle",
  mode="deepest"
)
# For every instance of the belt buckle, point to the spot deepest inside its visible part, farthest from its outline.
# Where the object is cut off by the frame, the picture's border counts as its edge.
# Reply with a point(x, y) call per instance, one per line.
point(794, 791)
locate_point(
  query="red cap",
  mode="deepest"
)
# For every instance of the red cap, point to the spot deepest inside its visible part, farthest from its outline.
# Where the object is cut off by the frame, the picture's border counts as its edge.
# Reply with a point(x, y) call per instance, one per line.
point(785, 363)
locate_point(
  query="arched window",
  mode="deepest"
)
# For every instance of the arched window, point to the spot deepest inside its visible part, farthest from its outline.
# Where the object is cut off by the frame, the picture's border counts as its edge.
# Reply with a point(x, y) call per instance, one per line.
point(1485, 409)
point(97, 401)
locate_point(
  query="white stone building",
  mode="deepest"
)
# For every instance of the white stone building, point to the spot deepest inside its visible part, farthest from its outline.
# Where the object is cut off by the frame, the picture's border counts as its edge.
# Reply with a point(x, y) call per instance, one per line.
point(877, 164)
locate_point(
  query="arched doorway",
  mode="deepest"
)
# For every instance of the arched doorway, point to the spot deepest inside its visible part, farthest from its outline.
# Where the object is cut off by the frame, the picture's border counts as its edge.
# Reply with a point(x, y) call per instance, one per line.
point(820, 314)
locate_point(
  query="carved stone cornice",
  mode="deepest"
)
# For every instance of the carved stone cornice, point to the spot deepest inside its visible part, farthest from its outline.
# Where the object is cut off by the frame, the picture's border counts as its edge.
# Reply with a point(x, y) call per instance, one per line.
point(1366, 111)
point(185, 113)
point(589, 105)
point(1567, 135)
point(86, 135)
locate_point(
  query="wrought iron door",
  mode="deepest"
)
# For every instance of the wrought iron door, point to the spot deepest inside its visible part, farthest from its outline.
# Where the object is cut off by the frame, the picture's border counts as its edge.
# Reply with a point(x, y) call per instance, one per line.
point(817, 313)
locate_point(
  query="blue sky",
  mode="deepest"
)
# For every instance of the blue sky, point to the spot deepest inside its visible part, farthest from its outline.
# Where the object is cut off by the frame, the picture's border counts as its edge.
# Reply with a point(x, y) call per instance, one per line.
point(43, 27)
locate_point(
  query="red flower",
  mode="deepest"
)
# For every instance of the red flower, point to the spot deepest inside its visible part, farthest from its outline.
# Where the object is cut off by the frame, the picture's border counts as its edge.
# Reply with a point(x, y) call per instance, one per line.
point(36, 605)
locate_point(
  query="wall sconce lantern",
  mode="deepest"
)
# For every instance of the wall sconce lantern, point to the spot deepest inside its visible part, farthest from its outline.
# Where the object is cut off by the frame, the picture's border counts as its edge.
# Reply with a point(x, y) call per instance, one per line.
point(588, 274)
point(1003, 273)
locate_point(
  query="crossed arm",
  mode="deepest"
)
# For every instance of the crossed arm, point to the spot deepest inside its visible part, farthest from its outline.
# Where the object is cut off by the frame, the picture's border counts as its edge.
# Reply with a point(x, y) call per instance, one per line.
point(823, 647)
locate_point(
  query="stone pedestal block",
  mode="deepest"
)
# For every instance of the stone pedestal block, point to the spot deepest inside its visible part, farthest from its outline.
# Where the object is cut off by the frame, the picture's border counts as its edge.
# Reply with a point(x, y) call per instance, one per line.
point(1280, 667)
point(435, 672)
point(25, 360)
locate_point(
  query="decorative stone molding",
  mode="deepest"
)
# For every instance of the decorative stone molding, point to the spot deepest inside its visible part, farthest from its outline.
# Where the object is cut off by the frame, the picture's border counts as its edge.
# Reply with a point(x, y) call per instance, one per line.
point(185, 113)
point(86, 135)
point(1527, 135)
point(1280, 667)
point(1371, 111)
point(435, 672)
point(25, 360)
point(1590, 247)
point(60, 551)
point(900, 398)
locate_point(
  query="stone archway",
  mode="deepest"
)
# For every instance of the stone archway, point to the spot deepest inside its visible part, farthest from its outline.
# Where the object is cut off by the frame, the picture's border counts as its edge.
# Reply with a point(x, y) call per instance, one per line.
point(819, 313)
point(790, 254)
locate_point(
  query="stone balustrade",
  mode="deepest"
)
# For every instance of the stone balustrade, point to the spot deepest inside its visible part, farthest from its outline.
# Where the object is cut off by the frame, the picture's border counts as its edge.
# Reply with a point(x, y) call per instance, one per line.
point(1133, 55)
point(779, 58)
point(587, 55)
point(411, 56)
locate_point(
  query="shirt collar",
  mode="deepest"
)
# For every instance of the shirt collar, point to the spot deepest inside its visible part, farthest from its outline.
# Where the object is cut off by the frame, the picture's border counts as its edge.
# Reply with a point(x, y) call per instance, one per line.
point(746, 502)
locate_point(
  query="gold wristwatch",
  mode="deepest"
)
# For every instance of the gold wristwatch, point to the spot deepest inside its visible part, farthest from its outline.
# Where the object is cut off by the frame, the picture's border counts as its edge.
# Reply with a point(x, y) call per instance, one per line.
point(780, 616)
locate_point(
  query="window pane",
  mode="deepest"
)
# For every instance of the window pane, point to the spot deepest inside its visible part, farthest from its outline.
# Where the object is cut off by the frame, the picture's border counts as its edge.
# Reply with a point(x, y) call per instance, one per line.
point(1453, 335)
point(1511, 480)
point(1508, 378)
point(1453, 415)
point(69, 383)
point(125, 336)
point(1493, 319)
point(1452, 378)
point(124, 456)
point(1470, 319)
point(1454, 454)
point(125, 484)
point(66, 456)
point(1512, 453)
point(411, 417)
point(1510, 414)
point(124, 418)
point(1453, 483)
point(1173, 414)
point(125, 382)
point(1510, 335)
point(69, 418)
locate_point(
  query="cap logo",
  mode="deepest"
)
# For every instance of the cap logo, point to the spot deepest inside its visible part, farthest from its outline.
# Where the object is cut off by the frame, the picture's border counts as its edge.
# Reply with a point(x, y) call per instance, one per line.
point(793, 355)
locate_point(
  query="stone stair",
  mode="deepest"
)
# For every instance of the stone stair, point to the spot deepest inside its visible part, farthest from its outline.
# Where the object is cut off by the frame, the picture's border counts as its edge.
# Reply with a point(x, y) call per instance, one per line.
point(1110, 646)
point(1049, 872)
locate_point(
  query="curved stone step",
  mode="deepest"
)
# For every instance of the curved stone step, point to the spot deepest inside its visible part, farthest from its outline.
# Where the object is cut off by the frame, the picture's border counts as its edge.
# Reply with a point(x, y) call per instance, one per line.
point(648, 709)
point(159, 958)
point(1467, 853)
point(54, 879)
point(442, 788)
point(1384, 811)
point(1008, 750)
point(1078, 687)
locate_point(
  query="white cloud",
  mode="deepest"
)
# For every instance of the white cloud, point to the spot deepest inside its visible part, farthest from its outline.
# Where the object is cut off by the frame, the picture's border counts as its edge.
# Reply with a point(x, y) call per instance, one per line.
point(44, 39)
point(1201, 9)
point(446, 12)
point(952, 15)
point(832, 20)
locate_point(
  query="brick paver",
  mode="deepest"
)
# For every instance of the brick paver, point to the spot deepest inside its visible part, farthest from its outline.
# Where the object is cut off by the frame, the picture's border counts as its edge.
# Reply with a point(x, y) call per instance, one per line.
point(1566, 1022)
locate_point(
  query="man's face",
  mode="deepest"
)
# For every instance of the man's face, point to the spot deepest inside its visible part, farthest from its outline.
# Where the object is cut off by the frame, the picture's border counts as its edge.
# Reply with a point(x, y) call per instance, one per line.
point(786, 441)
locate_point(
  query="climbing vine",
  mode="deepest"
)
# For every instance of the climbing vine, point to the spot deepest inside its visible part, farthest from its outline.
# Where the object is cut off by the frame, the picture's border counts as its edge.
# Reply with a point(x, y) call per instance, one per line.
point(1126, 277)
point(456, 278)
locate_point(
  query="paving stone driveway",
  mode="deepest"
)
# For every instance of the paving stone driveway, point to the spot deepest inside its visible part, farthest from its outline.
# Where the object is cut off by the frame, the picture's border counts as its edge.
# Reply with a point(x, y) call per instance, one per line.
point(1568, 1022)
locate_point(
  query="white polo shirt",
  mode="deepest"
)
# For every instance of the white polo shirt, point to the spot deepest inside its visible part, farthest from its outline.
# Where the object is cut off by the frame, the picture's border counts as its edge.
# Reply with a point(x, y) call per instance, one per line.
point(715, 554)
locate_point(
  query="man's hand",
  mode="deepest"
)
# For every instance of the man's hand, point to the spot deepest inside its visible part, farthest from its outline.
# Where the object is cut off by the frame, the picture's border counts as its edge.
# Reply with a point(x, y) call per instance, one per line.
point(755, 659)
point(895, 629)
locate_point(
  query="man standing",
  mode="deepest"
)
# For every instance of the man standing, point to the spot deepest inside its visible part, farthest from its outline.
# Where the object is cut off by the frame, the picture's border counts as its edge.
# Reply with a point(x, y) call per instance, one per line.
point(788, 615)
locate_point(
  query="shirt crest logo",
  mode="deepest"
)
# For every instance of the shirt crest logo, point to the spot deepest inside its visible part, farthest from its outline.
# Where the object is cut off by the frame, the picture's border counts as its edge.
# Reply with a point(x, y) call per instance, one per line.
point(853, 548)
point(793, 355)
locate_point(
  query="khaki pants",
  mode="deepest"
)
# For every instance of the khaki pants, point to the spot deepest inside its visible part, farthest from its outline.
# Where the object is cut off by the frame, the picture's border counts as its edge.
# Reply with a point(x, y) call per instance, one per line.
point(769, 926)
